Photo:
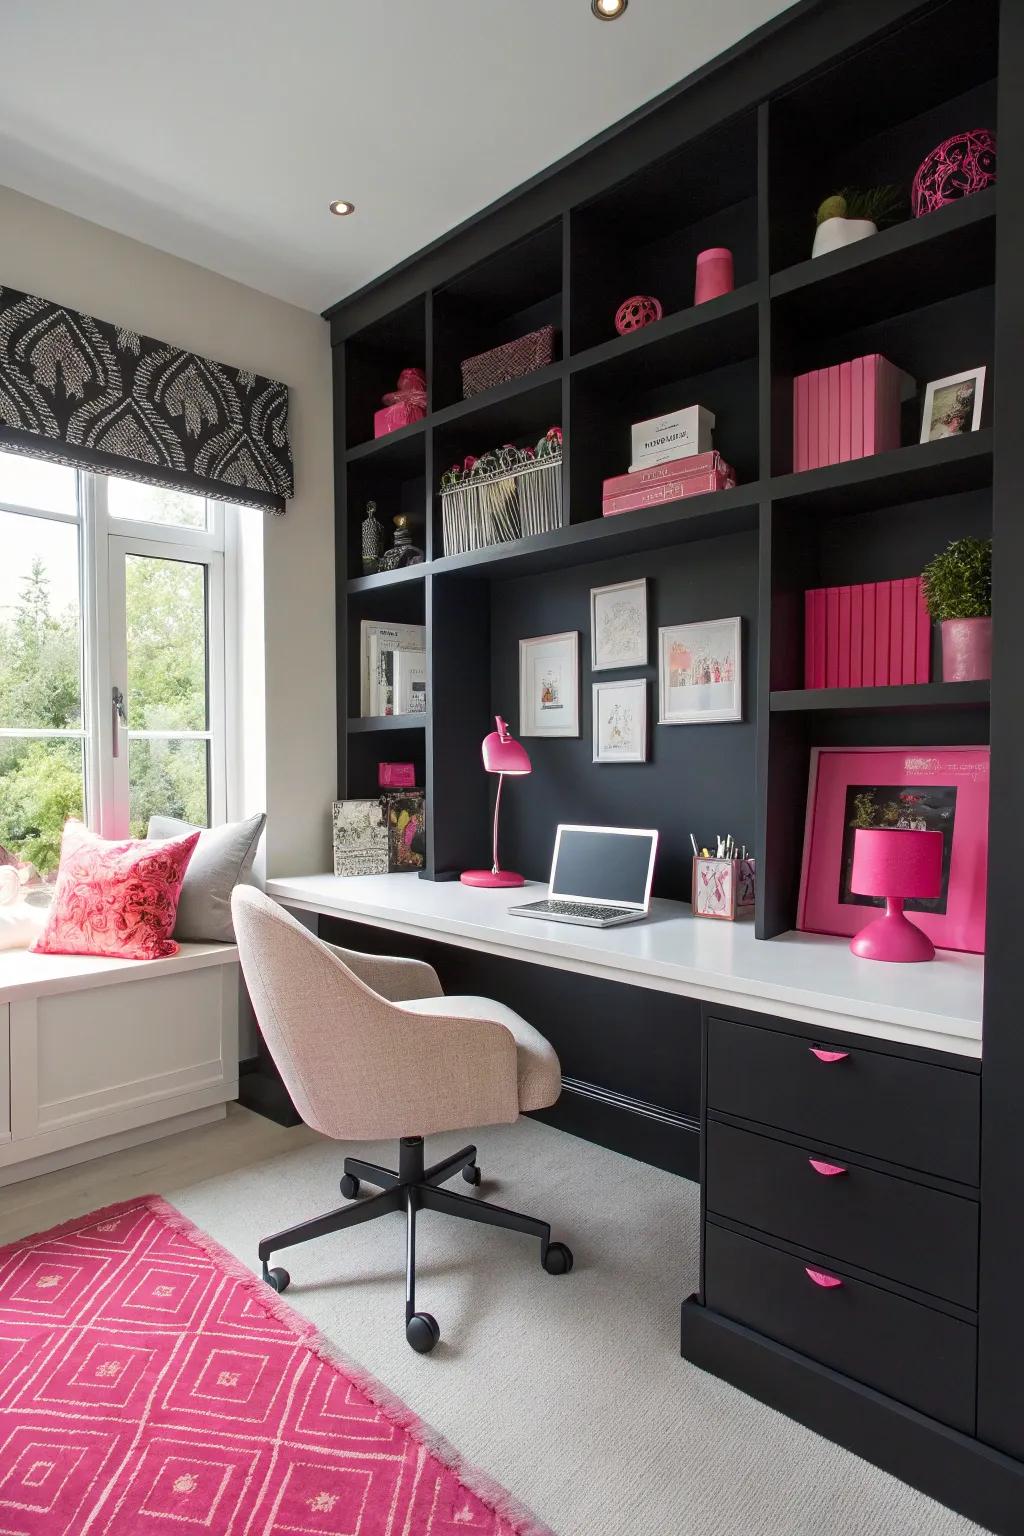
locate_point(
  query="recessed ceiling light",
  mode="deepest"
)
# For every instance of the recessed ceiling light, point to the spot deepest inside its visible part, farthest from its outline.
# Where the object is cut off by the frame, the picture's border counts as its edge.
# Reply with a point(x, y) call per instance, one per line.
point(341, 207)
point(608, 10)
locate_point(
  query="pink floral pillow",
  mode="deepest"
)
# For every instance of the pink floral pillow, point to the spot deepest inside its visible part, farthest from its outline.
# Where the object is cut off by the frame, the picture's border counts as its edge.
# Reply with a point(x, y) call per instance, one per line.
point(117, 899)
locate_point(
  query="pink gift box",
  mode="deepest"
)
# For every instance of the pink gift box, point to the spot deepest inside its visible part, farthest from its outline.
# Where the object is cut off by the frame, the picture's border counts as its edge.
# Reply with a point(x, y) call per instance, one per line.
point(390, 417)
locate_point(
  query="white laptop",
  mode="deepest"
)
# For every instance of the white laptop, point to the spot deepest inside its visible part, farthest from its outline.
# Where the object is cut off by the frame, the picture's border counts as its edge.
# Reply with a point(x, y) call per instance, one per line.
point(600, 876)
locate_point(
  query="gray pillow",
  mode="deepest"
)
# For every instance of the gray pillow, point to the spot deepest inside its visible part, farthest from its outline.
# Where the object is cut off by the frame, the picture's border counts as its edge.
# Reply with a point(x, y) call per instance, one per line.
point(222, 859)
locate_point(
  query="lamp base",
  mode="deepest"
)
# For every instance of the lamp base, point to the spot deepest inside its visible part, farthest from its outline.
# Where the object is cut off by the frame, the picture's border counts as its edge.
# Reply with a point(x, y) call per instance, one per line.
point(491, 879)
point(893, 937)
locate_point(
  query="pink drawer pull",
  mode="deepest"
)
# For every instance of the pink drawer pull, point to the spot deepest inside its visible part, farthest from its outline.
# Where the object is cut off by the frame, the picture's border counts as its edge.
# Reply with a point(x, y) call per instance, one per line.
point(822, 1055)
point(827, 1170)
point(827, 1282)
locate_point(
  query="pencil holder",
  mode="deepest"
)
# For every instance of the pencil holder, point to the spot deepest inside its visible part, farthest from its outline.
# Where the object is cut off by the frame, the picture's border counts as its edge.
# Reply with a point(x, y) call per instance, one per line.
point(723, 888)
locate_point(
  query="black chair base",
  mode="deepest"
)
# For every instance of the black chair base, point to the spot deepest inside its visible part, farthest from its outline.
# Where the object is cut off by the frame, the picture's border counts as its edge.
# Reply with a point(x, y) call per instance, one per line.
point(413, 1188)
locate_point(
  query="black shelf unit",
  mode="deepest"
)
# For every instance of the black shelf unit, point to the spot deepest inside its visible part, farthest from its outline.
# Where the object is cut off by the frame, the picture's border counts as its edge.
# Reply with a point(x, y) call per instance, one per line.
point(739, 155)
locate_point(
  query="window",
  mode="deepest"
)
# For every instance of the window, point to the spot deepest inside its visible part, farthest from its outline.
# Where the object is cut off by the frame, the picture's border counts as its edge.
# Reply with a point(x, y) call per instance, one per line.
point(112, 656)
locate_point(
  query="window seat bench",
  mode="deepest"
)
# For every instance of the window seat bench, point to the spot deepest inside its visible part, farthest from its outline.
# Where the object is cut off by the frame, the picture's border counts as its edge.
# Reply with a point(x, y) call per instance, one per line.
point(99, 1054)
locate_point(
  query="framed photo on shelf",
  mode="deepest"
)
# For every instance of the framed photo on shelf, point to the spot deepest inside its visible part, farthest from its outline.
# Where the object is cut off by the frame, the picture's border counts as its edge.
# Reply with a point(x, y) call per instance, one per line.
point(620, 721)
point(618, 625)
point(953, 405)
point(700, 677)
point(931, 789)
point(549, 685)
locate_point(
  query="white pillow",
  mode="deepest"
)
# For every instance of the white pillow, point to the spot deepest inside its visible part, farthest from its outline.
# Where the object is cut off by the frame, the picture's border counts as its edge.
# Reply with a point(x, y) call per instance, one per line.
point(19, 924)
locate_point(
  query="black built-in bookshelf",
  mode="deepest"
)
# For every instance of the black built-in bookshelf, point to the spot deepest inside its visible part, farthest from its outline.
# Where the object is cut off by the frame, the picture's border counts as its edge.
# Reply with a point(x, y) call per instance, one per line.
point(740, 155)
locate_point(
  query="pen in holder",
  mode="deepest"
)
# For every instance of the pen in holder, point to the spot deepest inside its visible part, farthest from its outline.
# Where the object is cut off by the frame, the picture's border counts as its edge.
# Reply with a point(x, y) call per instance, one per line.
point(723, 888)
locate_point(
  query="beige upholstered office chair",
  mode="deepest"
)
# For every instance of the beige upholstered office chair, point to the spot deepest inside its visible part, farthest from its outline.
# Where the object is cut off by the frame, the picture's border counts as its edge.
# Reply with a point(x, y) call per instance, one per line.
point(370, 1047)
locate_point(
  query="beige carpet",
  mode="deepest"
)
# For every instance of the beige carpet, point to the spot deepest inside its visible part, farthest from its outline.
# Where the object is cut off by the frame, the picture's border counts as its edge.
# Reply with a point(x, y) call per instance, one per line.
point(569, 1390)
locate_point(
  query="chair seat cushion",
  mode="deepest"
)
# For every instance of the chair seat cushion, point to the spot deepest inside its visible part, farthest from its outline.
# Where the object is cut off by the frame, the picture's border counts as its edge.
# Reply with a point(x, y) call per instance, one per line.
point(538, 1071)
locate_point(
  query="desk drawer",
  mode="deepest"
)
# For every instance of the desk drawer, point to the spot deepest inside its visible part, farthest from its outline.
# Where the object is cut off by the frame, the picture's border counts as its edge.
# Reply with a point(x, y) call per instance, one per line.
point(901, 1111)
point(904, 1231)
point(916, 1355)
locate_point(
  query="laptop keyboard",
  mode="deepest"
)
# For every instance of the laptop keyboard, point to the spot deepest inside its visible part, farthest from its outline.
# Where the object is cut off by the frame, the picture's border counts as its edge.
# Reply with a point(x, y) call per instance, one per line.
point(579, 909)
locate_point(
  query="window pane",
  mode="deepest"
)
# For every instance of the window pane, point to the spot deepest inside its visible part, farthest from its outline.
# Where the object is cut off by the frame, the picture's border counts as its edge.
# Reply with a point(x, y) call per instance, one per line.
point(34, 483)
point(165, 604)
point(168, 778)
point(40, 630)
point(153, 504)
point(40, 786)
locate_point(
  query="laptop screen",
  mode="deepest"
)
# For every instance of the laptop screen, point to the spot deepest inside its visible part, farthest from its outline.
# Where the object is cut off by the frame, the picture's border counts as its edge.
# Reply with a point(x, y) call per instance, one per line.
point(603, 864)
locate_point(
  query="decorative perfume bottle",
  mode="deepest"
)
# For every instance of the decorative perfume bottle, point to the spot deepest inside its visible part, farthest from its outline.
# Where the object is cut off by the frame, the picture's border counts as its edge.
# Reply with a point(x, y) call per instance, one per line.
point(403, 551)
point(372, 539)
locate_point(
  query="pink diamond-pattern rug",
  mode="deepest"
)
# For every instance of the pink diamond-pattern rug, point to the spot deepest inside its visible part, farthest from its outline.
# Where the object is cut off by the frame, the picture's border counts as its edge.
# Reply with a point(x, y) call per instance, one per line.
point(150, 1385)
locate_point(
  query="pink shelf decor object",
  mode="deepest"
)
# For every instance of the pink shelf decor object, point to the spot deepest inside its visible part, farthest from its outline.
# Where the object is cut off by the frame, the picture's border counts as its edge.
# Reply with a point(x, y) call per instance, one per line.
point(502, 755)
point(897, 865)
point(848, 411)
point(512, 360)
point(396, 775)
point(873, 635)
point(956, 168)
point(633, 314)
point(714, 274)
point(404, 405)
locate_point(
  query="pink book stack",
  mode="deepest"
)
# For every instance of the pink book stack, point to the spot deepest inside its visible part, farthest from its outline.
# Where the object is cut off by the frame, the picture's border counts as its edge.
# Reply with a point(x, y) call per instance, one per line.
point(846, 412)
point(667, 482)
point(868, 636)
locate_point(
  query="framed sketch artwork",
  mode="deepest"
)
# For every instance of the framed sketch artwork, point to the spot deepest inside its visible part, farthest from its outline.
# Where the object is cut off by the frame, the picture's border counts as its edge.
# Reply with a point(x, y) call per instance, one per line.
point(618, 625)
point(700, 673)
point(620, 721)
point(549, 685)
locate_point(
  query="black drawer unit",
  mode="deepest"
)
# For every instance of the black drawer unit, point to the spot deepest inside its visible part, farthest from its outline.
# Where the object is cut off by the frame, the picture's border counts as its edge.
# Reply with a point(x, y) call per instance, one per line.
point(896, 1228)
point(913, 1353)
point(890, 1107)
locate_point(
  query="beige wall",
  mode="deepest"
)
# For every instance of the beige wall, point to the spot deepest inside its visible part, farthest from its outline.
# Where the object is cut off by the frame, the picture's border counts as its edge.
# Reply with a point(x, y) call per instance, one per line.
point(48, 252)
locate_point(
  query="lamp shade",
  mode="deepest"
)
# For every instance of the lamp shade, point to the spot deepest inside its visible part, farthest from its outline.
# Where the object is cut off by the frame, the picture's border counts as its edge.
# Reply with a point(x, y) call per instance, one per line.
point(896, 863)
point(502, 753)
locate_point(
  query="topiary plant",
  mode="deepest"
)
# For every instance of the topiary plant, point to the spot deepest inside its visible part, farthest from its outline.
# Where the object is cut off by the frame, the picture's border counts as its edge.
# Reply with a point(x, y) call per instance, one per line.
point(882, 205)
point(958, 582)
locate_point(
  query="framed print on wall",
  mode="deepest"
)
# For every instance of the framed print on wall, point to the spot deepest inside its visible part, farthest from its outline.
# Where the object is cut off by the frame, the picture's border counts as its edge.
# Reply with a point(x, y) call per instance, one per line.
point(930, 789)
point(618, 625)
point(620, 721)
point(549, 685)
point(953, 405)
point(700, 677)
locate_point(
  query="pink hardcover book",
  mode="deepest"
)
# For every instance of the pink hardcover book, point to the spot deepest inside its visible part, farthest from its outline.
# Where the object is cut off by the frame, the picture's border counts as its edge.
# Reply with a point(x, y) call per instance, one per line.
point(834, 455)
point(856, 636)
point(844, 637)
point(882, 633)
point(675, 469)
point(799, 420)
point(896, 633)
point(669, 490)
point(820, 637)
point(868, 669)
point(910, 592)
point(831, 637)
point(924, 638)
point(822, 379)
point(845, 412)
point(857, 408)
point(811, 433)
point(870, 398)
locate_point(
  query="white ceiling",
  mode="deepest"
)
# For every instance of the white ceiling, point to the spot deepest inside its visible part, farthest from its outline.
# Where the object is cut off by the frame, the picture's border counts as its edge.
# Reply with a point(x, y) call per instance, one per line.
point(219, 130)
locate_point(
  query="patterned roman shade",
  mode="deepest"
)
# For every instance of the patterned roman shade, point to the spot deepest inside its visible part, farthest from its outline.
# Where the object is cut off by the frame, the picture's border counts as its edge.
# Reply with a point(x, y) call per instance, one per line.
point(100, 397)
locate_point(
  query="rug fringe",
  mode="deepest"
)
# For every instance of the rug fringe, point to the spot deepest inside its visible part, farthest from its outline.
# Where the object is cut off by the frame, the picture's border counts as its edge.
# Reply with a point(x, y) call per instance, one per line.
point(486, 1488)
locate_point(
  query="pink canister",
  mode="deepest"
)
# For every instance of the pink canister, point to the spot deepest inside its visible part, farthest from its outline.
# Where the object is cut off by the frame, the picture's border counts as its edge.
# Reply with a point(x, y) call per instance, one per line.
point(714, 274)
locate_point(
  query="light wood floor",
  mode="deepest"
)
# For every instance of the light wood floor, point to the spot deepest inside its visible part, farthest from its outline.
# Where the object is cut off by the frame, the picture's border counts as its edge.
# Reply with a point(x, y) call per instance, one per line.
point(173, 1162)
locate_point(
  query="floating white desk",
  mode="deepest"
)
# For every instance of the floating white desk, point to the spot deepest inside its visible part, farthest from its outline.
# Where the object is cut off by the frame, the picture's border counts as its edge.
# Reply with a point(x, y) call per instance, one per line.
point(805, 976)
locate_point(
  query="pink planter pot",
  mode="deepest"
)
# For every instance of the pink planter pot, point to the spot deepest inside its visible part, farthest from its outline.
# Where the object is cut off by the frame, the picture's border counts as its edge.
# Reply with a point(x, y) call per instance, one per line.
point(966, 650)
point(714, 274)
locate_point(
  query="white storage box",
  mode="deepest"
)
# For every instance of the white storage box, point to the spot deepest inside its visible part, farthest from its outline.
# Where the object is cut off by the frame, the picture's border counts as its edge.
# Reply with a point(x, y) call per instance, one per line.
point(674, 436)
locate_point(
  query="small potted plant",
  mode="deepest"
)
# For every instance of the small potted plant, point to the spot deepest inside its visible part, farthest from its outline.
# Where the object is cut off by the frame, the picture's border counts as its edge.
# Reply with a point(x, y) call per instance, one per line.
point(853, 215)
point(958, 591)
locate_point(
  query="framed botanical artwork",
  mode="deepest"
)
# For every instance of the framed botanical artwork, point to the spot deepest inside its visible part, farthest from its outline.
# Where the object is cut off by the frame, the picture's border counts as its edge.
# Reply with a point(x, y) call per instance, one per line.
point(618, 625)
point(929, 789)
point(620, 721)
point(549, 685)
point(700, 672)
point(953, 405)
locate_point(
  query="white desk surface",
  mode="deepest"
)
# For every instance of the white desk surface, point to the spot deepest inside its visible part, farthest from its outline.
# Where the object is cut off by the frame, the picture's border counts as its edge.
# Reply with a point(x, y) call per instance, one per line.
point(806, 976)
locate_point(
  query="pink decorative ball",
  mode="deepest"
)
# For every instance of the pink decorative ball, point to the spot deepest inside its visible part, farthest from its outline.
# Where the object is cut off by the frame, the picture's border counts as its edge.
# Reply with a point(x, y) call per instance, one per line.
point(636, 312)
point(955, 168)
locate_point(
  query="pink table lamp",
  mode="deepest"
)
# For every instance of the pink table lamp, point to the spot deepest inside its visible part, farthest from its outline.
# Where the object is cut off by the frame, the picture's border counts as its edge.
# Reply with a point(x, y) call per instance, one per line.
point(896, 865)
point(502, 755)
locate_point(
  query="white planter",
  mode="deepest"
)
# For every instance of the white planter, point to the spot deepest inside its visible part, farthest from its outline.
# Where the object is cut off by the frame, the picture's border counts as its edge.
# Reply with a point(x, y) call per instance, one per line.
point(833, 234)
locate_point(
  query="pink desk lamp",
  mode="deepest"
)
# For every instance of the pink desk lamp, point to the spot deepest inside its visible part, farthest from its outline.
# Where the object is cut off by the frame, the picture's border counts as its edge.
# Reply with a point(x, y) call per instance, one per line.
point(896, 865)
point(501, 755)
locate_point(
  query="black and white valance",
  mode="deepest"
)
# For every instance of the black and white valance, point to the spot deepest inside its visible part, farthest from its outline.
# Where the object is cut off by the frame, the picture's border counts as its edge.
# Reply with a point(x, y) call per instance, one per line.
point(100, 397)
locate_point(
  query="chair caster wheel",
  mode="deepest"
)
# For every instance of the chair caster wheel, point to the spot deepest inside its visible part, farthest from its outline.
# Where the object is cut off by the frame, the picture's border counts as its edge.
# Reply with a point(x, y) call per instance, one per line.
point(422, 1332)
point(558, 1259)
point(471, 1173)
point(350, 1186)
point(278, 1279)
